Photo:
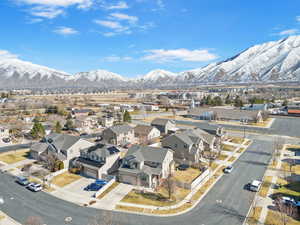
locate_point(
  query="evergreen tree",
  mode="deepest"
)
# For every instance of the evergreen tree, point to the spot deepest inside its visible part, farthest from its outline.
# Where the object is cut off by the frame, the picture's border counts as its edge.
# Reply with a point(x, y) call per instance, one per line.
point(57, 128)
point(228, 100)
point(126, 117)
point(285, 103)
point(38, 130)
point(69, 124)
point(238, 102)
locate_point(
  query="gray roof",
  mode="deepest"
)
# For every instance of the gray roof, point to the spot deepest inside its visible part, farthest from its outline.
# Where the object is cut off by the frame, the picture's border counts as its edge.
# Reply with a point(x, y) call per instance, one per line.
point(39, 147)
point(143, 129)
point(145, 154)
point(119, 129)
point(161, 122)
point(61, 141)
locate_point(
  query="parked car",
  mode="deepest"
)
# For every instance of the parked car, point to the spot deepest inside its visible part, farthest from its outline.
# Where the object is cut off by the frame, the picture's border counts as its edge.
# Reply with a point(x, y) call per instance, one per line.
point(228, 169)
point(22, 180)
point(35, 187)
point(182, 167)
point(101, 182)
point(290, 201)
point(83, 134)
point(254, 185)
point(93, 187)
point(6, 140)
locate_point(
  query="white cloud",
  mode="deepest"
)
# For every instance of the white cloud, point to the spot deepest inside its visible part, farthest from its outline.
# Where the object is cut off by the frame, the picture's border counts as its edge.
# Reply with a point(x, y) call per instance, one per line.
point(298, 18)
point(122, 16)
point(114, 58)
point(160, 4)
point(110, 24)
point(65, 31)
point(288, 32)
point(7, 55)
point(163, 55)
point(46, 12)
point(61, 3)
point(119, 5)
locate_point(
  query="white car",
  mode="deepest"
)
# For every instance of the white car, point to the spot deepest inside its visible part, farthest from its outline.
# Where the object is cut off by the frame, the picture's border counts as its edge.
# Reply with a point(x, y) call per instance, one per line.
point(255, 185)
point(228, 169)
point(34, 187)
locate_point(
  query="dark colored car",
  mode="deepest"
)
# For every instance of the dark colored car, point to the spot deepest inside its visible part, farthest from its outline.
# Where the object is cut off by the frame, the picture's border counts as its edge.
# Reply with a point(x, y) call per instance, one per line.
point(6, 140)
point(93, 187)
point(183, 167)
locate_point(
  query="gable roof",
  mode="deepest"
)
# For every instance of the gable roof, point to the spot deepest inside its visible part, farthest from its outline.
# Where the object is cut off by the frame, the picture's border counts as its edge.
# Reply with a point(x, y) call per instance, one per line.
point(143, 129)
point(119, 129)
point(147, 153)
point(61, 141)
point(161, 122)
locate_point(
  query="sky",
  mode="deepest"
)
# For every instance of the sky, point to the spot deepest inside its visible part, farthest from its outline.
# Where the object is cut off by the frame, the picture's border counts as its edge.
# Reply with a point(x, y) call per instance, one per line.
point(133, 37)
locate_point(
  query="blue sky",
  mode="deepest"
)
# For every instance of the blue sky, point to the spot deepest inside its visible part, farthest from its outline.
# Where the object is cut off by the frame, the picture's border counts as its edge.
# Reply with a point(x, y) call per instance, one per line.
point(132, 37)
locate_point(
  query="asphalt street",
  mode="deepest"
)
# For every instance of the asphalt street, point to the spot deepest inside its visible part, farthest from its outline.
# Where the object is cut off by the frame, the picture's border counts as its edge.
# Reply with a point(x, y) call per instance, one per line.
point(227, 202)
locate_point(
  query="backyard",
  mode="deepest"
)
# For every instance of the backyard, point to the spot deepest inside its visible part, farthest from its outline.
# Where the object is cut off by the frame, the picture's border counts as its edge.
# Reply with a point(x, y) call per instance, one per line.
point(187, 176)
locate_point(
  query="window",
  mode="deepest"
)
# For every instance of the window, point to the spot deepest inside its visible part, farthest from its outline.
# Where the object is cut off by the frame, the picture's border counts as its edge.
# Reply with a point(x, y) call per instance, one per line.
point(175, 145)
point(185, 146)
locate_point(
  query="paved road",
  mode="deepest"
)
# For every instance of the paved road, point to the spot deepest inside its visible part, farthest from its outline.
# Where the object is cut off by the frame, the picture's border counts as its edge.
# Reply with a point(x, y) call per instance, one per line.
point(14, 147)
point(229, 189)
point(282, 126)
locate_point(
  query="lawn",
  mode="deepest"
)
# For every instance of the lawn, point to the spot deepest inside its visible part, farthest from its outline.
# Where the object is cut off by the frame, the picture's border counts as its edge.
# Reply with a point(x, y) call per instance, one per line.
point(111, 187)
point(158, 198)
point(241, 150)
point(226, 147)
point(293, 189)
point(265, 186)
point(254, 216)
point(232, 158)
point(14, 157)
point(64, 179)
point(187, 176)
point(236, 140)
point(222, 157)
point(274, 218)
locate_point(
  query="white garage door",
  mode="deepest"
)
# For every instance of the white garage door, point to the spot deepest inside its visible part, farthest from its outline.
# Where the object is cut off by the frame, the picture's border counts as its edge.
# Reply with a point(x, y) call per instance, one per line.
point(90, 173)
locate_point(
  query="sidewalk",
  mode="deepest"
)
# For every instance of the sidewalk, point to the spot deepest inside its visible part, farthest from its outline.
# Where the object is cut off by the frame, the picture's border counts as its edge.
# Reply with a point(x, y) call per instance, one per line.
point(7, 220)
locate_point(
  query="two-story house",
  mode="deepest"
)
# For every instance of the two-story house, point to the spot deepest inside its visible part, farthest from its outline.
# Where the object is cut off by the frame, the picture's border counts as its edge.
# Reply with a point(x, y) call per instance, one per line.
point(145, 134)
point(62, 146)
point(107, 121)
point(189, 144)
point(98, 161)
point(146, 166)
point(119, 135)
point(165, 126)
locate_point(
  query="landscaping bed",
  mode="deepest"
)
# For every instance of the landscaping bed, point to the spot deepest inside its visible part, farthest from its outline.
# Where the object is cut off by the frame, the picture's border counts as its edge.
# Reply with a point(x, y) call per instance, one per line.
point(111, 187)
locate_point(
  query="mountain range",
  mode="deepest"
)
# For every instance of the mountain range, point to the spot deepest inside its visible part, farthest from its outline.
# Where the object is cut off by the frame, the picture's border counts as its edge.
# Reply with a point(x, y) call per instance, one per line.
point(268, 62)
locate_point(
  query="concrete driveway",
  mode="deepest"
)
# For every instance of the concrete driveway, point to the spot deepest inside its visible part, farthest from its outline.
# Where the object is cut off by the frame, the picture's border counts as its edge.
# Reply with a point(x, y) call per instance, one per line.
point(78, 186)
point(110, 200)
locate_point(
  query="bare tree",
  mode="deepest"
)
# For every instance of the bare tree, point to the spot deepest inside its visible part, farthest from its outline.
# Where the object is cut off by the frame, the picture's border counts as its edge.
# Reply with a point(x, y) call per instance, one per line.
point(171, 186)
point(34, 220)
point(284, 210)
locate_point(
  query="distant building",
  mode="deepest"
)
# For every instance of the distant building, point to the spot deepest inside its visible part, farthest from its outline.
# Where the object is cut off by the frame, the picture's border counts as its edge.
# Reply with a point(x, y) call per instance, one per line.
point(144, 134)
point(107, 121)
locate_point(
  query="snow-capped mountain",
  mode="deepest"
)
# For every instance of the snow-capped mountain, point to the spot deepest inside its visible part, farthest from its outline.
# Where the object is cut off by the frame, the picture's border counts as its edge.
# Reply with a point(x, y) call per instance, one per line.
point(158, 75)
point(268, 62)
point(271, 61)
point(98, 76)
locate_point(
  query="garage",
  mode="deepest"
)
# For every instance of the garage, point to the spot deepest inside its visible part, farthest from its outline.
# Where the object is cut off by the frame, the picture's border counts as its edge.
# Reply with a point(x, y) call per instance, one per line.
point(127, 179)
point(88, 172)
